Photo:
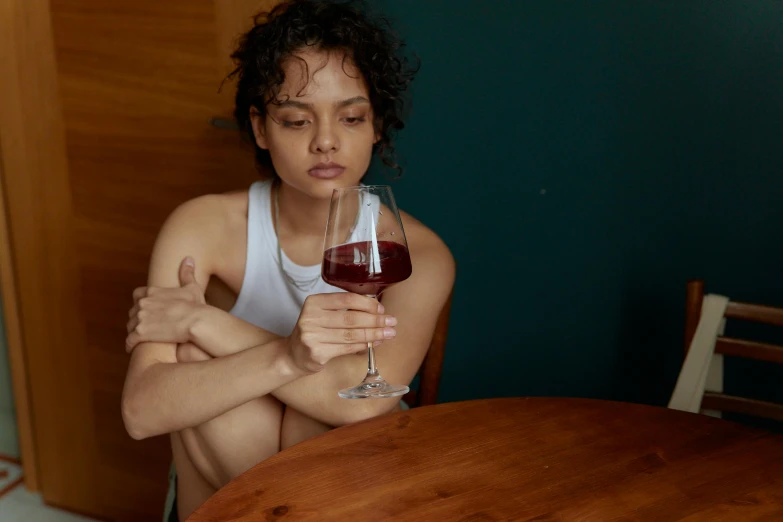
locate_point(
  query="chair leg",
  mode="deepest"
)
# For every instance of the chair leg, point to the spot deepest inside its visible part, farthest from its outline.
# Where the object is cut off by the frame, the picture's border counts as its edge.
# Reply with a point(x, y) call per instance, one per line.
point(693, 300)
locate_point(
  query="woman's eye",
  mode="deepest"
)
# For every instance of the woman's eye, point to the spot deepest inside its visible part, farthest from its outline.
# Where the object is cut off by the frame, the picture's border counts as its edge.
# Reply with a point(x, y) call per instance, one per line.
point(295, 124)
point(353, 121)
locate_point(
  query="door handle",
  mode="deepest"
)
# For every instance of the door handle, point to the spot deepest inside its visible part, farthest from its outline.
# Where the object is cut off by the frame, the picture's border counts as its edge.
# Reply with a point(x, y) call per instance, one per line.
point(223, 123)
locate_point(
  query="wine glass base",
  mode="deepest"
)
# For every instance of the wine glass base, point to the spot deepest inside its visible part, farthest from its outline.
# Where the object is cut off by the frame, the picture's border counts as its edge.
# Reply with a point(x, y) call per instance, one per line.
point(373, 388)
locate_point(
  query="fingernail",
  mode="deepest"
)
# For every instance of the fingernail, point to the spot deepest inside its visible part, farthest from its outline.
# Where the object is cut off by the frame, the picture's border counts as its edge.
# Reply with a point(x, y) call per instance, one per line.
point(391, 321)
point(189, 261)
point(389, 332)
point(381, 309)
point(376, 343)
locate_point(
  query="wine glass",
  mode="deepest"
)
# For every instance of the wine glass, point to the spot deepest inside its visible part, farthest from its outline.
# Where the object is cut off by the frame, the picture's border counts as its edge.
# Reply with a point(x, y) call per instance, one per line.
point(365, 252)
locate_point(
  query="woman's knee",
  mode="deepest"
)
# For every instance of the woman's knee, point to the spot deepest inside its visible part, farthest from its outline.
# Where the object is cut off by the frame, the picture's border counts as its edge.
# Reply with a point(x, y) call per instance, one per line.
point(189, 352)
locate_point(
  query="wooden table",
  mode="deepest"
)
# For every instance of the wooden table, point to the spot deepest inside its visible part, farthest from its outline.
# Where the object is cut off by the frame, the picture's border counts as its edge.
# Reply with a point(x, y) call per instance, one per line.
point(518, 459)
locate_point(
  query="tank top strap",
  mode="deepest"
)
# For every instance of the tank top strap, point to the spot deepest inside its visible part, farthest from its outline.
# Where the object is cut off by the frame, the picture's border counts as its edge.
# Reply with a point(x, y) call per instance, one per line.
point(258, 226)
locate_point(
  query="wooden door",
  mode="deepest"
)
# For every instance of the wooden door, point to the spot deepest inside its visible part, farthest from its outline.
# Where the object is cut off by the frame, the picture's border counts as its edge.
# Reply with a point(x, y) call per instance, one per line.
point(105, 112)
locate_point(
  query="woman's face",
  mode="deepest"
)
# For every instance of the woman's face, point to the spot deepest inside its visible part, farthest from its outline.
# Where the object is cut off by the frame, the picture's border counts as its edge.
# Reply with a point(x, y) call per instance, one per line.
point(321, 136)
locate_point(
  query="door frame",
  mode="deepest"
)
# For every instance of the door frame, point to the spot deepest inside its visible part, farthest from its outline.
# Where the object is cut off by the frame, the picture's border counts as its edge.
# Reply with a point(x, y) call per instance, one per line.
point(38, 270)
point(16, 360)
point(13, 163)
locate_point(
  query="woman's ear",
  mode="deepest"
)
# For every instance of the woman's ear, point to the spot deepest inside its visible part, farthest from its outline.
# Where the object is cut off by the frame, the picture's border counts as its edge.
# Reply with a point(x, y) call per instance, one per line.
point(259, 131)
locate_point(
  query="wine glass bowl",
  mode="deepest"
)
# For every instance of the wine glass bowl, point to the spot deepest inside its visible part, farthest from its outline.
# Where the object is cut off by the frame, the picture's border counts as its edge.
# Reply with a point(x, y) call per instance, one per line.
point(366, 267)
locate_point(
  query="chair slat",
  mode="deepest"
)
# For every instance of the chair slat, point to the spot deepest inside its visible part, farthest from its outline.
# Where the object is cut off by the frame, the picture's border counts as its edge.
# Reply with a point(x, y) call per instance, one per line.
point(721, 402)
point(749, 349)
point(754, 312)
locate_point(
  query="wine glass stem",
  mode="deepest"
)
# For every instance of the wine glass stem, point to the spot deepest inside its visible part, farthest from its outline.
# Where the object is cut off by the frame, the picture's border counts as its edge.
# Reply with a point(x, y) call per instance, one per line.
point(371, 369)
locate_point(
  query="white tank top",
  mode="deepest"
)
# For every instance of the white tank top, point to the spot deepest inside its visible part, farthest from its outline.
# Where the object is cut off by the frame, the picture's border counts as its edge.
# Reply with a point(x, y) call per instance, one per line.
point(266, 298)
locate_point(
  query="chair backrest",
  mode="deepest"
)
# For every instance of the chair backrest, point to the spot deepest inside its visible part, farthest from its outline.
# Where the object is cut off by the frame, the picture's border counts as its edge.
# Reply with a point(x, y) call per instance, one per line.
point(431, 367)
point(734, 347)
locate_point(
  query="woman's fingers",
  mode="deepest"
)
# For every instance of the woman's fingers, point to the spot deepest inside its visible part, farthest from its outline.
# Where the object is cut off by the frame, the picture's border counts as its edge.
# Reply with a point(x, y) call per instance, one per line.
point(134, 321)
point(346, 301)
point(331, 325)
point(187, 272)
point(164, 294)
point(131, 341)
point(354, 319)
point(347, 349)
point(355, 335)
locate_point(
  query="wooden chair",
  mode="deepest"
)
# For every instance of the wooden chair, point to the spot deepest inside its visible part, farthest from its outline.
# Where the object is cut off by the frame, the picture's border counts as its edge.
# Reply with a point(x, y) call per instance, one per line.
point(736, 348)
point(431, 367)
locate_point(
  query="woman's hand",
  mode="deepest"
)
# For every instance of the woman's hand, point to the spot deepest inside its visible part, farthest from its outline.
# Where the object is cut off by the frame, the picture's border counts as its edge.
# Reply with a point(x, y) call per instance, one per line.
point(331, 325)
point(165, 314)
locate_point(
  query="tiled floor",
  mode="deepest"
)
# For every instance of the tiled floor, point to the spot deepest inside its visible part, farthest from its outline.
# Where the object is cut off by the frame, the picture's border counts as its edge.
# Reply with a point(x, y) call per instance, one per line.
point(22, 506)
point(19, 505)
point(10, 474)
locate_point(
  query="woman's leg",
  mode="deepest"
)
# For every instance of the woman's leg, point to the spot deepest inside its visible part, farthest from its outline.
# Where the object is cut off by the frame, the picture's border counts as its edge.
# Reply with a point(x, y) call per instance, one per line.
point(298, 427)
point(192, 488)
point(227, 446)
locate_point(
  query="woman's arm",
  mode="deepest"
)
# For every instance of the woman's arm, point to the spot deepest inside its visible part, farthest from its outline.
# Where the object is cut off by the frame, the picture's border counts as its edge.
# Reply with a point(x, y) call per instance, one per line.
point(160, 396)
point(219, 333)
point(181, 315)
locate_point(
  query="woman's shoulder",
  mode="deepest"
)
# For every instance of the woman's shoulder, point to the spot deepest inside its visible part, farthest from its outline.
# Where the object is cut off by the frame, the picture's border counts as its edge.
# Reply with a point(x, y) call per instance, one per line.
point(429, 253)
point(212, 210)
point(222, 209)
point(213, 219)
point(212, 229)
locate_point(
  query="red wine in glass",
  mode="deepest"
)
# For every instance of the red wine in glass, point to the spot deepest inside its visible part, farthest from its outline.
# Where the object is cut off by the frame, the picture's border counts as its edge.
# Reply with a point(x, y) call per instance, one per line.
point(365, 252)
point(351, 266)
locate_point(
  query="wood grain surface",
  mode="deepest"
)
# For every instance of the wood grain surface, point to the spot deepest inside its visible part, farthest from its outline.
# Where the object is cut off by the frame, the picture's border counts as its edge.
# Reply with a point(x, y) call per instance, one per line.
point(518, 459)
point(105, 112)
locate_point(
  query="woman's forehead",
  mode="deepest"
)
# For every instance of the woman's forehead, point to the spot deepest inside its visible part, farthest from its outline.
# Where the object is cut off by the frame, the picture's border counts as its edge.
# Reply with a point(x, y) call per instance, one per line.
point(313, 75)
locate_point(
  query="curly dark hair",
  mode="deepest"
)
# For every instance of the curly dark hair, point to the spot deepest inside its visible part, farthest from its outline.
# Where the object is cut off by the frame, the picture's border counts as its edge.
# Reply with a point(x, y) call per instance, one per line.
point(324, 25)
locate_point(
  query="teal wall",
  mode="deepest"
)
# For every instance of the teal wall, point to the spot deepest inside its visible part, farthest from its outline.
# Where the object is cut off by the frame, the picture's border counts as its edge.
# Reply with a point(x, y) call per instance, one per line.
point(9, 442)
point(583, 160)
point(6, 397)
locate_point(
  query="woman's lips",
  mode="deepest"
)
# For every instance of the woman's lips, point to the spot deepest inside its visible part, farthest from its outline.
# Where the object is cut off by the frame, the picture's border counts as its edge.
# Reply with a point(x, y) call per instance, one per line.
point(326, 170)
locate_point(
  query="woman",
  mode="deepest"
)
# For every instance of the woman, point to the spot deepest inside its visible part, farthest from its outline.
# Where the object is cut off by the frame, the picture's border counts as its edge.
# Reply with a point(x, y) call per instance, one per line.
point(319, 90)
